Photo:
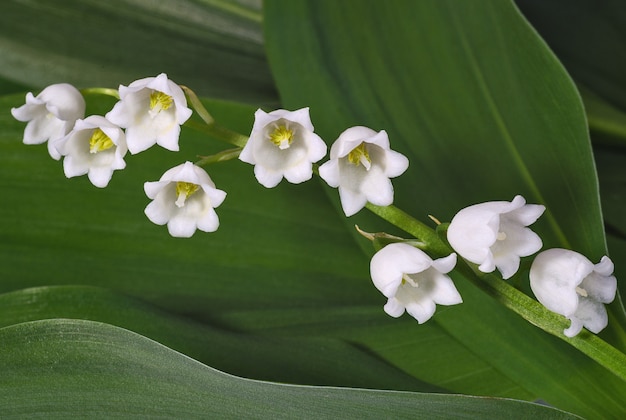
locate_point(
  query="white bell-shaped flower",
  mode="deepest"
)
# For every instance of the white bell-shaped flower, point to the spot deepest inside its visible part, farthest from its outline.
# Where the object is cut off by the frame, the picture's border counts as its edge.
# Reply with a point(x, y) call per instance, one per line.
point(283, 144)
point(567, 283)
point(412, 281)
point(494, 234)
point(360, 165)
point(50, 115)
point(95, 147)
point(151, 110)
point(184, 198)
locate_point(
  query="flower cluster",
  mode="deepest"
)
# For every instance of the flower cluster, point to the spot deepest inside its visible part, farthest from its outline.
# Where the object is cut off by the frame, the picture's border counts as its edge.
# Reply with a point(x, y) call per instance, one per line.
point(283, 145)
point(495, 235)
point(149, 111)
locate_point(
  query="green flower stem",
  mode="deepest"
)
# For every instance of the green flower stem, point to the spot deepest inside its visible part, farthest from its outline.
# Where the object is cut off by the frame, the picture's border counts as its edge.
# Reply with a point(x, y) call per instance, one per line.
point(211, 127)
point(218, 132)
point(419, 230)
point(197, 105)
point(529, 309)
point(101, 91)
point(222, 156)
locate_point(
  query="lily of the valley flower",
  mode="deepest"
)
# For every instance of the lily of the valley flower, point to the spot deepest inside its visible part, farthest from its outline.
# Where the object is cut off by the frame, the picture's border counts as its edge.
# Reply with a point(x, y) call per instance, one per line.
point(283, 144)
point(412, 281)
point(95, 147)
point(184, 198)
point(567, 283)
point(494, 234)
point(151, 110)
point(360, 165)
point(50, 115)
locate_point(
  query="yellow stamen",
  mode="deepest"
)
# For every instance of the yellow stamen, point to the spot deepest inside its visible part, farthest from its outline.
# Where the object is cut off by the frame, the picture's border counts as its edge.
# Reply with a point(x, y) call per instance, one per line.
point(99, 141)
point(183, 191)
point(360, 155)
point(581, 291)
point(501, 236)
point(282, 137)
point(159, 101)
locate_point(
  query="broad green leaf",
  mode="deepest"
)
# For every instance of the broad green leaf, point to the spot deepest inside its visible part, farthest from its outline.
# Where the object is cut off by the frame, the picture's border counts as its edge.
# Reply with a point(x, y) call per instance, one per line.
point(484, 111)
point(61, 368)
point(210, 45)
point(328, 361)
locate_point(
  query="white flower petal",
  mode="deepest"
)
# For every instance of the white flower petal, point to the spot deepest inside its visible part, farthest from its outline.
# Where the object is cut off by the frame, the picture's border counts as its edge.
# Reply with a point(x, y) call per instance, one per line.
point(396, 164)
point(388, 265)
point(592, 314)
point(575, 327)
point(394, 308)
point(158, 213)
point(444, 291)
point(181, 227)
point(184, 198)
point(299, 173)
point(566, 283)
point(417, 304)
point(98, 163)
point(554, 276)
point(600, 287)
point(74, 167)
point(266, 177)
point(360, 165)
point(351, 201)
point(494, 234)
point(411, 280)
point(329, 172)
point(377, 188)
point(100, 177)
point(149, 123)
point(210, 222)
point(282, 144)
point(51, 115)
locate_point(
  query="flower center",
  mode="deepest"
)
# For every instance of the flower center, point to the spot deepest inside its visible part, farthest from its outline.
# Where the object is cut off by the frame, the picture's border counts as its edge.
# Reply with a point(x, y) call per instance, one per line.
point(360, 155)
point(501, 236)
point(407, 279)
point(581, 291)
point(183, 191)
point(282, 137)
point(99, 141)
point(159, 101)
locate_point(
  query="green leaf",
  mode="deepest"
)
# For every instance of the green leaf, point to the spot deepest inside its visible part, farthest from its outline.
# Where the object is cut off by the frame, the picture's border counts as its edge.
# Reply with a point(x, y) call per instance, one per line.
point(484, 111)
point(208, 45)
point(329, 361)
point(60, 368)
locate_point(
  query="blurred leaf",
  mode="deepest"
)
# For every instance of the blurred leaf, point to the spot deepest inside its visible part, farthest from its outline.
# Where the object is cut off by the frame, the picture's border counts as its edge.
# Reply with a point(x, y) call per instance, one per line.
point(607, 123)
point(484, 111)
point(214, 46)
point(61, 368)
point(588, 37)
